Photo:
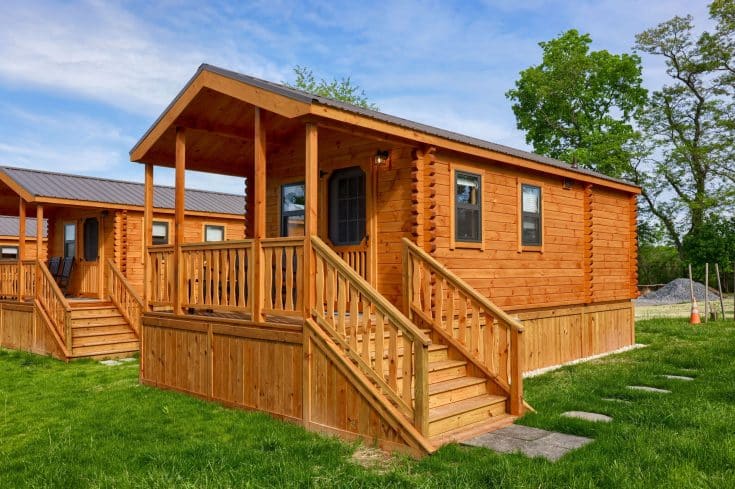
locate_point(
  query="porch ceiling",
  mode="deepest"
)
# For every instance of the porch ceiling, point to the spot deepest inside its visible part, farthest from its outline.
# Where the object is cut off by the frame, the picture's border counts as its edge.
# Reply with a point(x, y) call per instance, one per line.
point(220, 134)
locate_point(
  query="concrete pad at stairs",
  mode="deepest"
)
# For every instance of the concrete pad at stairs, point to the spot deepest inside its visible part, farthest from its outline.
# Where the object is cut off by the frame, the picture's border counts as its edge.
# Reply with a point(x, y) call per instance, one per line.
point(531, 442)
point(678, 377)
point(110, 363)
point(646, 388)
point(584, 415)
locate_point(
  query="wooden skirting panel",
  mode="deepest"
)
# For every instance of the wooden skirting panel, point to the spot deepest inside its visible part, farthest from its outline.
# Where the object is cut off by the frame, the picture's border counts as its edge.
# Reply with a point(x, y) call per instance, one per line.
point(263, 367)
point(556, 336)
point(22, 327)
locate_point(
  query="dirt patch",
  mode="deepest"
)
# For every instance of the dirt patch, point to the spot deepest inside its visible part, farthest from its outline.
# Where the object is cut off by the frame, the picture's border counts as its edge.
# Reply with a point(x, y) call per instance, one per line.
point(372, 458)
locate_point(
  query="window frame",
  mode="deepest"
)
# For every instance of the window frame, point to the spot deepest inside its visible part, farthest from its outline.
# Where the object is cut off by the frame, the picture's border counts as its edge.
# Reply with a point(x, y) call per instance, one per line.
point(67, 241)
point(539, 215)
point(212, 225)
point(333, 205)
point(167, 224)
point(474, 172)
point(284, 214)
point(477, 206)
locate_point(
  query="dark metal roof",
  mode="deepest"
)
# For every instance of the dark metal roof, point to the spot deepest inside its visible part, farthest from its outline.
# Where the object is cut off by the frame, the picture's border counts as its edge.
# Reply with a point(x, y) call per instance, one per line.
point(77, 187)
point(309, 98)
point(9, 226)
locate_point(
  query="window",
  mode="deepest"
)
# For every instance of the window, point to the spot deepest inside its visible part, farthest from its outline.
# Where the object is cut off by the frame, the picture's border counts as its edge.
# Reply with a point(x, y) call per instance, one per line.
point(9, 252)
point(468, 207)
point(160, 232)
point(91, 239)
point(214, 233)
point(70, 240)
point(531, 215)
point(347, 207)
point(292, 209)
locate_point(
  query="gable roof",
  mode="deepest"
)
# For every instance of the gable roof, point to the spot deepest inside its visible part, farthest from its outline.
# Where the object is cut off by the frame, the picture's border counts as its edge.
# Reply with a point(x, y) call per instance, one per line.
point(313, 100)
point(41, 184)
point(9, 226)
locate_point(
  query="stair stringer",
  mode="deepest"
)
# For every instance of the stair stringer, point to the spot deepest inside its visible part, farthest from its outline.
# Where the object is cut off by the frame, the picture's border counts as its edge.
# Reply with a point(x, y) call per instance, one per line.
point(358, 409)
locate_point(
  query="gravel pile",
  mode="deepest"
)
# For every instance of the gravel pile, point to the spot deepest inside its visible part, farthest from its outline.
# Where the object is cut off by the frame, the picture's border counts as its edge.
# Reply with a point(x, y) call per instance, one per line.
point(676, 292)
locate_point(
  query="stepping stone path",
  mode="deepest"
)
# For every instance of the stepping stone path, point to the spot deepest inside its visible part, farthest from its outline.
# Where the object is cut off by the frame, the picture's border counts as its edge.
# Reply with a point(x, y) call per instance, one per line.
point(532, 442)
point(110, 363)
point(648, 389)
point(678, 377)
point(612, 399)
point(594, 417)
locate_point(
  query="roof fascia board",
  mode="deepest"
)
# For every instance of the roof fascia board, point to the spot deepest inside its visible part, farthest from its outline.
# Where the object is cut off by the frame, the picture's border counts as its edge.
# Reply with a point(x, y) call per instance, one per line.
point(388, 128)
point(111, 205)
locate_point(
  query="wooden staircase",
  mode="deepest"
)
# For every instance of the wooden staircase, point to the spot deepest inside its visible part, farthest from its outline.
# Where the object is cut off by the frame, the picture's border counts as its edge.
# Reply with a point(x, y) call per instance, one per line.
point(99, 330)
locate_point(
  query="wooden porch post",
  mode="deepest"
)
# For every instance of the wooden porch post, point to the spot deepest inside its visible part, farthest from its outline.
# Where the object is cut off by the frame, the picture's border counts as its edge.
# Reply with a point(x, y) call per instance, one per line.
point(101, 257)
point(179, 206)
point(40, 251)
point(311, 200)
point(147, 232)
point(258, 221)
point(21, 246)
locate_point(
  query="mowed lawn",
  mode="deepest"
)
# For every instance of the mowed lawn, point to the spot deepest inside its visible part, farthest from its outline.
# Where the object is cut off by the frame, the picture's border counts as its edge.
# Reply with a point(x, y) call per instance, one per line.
point(89, 425)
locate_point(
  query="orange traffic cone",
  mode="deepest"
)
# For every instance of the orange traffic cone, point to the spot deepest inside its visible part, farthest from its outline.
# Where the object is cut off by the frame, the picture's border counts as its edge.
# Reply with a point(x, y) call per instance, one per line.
point(694, 319)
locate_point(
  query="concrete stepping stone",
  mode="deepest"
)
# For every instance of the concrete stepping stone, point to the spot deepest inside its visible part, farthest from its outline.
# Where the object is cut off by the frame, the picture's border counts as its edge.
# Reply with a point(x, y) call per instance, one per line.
point(594, 417)
point(646, 388)
point(613, 399)
point(532, 442)
point(678, 377)
point(110, 363)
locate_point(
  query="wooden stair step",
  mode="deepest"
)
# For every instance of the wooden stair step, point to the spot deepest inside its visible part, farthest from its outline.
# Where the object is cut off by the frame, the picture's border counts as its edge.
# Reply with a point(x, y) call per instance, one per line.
point(446, 369)
point(462, 413)
point(93, 313)
point(103, 321)
point(90, 304)
point(436, 353)
point(453, 390)
point(99, 331)
point(472, 430)
point(105, 348)
point(104, 340)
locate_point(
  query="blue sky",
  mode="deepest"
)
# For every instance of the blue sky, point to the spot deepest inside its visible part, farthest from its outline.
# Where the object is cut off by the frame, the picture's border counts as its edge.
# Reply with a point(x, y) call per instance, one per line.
point(81, 81)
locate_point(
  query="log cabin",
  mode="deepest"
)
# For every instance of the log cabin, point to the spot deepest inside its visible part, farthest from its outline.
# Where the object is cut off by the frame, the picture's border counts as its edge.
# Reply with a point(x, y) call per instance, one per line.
point(396, 279)
point(96, 226)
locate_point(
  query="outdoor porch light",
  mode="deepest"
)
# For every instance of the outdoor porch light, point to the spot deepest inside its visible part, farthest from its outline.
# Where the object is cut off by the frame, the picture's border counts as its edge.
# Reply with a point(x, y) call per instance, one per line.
point(381, 157)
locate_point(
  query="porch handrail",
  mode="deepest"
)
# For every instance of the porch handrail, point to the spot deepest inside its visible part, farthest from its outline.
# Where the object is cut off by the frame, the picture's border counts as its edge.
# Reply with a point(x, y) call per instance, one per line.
point(425, 296)
point(358, 304)
point(124, 296)
point(54, 304)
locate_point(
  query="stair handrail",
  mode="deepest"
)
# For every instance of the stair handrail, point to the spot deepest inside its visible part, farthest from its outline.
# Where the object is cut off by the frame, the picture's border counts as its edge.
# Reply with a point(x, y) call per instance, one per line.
point(413, 397)
point(428, 315)
point(125, 298)
point(54, 304)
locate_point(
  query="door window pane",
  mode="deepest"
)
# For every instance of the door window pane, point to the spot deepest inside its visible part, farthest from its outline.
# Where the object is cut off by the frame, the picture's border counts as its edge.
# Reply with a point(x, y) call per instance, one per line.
point(91, 239)
point(70, 240)
point(347, 207)
point(292, 209)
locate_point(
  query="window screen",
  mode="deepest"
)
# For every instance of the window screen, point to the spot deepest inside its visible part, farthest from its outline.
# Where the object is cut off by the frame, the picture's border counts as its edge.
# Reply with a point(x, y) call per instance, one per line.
point(468, 207)
point(531, 212)
point(347, 207)
point(214, 233)
point(9, 252)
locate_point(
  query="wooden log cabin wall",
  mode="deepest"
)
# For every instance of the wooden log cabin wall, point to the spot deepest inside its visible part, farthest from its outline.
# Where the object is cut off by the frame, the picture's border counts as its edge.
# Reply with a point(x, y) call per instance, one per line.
point(423, 338)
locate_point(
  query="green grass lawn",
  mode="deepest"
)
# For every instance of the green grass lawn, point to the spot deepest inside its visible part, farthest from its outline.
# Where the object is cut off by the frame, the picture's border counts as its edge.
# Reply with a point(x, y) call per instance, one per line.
point(89, 425)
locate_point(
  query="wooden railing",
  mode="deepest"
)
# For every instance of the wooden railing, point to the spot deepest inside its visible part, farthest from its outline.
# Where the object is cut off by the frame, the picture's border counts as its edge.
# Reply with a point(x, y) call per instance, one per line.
point(54, 304)
point(218, 276)
point(88, 273)
point(372, 333)
point(8, 279)
point(465, 318)
point(124, 297)
point(283, 269)
point(161, 276)
point(357, 258)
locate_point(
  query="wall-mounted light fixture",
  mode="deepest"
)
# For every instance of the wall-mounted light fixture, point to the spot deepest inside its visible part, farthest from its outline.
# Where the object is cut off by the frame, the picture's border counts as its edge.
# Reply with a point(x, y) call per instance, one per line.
point(381, 158)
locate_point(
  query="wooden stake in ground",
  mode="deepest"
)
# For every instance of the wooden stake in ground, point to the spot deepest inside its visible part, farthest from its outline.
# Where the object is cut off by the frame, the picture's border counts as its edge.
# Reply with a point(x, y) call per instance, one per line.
point(706, 292)
point(719, 289)
point(691, 282)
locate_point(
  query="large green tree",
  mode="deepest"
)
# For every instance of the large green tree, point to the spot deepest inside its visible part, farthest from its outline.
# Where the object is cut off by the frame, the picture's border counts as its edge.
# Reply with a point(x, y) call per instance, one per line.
point(685, 164)
point(578, 105)
point(339, 89)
